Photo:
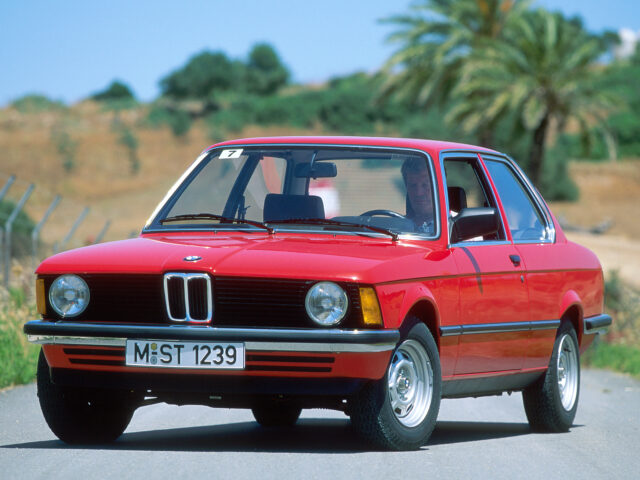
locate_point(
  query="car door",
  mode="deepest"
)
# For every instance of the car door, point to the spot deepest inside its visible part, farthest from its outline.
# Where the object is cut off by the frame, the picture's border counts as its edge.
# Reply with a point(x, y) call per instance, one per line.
point(531, 229)
point(494, 306)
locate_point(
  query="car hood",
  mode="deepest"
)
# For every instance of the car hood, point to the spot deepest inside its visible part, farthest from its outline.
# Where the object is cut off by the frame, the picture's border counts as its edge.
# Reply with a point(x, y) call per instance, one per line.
point(341, 257)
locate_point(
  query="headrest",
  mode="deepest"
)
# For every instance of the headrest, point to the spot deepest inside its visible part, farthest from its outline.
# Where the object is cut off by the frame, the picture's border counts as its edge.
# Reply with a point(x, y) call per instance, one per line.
point(457, 198)
point(285, 207)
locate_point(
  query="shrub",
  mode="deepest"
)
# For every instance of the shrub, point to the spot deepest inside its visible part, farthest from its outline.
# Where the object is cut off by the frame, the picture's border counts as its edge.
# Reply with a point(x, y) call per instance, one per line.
point(17, 356)
point(36, 103)
point(128, 139)
point(21, 228)
point(66, 148)
point(176, 119)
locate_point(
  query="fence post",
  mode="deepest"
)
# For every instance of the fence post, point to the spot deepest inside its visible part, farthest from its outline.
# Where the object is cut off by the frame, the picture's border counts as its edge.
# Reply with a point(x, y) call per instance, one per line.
point(35, 234)
point(102, 233)
point(8, 226)
point(58, 246)
point(3, 192)
point(9, 182)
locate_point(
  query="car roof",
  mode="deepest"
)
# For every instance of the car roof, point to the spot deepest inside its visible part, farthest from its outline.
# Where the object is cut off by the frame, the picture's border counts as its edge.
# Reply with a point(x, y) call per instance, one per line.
point(415, 143)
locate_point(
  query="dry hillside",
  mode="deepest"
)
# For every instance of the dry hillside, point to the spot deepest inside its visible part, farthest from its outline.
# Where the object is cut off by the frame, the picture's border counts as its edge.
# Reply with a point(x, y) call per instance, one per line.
point(102, 178)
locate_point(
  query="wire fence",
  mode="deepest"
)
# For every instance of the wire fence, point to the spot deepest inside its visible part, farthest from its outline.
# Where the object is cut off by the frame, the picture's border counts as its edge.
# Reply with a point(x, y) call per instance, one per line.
point(36, 222)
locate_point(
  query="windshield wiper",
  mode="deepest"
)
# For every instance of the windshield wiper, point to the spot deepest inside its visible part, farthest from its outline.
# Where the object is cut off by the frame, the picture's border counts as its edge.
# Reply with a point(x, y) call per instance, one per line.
point(327, 221)
point(212, 216)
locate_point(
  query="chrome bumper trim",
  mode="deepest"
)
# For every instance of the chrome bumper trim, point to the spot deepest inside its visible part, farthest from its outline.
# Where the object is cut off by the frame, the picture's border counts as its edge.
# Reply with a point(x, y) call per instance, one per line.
point(596, 324)
point(258, 339)
point(93, 341)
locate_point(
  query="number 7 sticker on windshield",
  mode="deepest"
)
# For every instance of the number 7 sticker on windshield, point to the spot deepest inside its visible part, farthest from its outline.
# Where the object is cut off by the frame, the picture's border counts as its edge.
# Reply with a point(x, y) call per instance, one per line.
point(235, 153)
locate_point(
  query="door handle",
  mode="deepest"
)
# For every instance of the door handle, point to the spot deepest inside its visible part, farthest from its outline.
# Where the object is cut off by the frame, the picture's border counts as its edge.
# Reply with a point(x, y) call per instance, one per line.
point(515, 259)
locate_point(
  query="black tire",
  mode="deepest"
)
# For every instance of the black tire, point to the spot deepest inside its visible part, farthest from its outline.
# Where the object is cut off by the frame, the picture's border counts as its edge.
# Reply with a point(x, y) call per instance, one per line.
point(272, 414)
point(83, 415)
point(551, 402)
point(381, 413)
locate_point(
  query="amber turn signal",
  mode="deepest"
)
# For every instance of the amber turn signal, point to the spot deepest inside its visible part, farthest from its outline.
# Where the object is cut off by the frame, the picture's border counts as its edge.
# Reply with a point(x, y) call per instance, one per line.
point(40, 298)
point(370, 307)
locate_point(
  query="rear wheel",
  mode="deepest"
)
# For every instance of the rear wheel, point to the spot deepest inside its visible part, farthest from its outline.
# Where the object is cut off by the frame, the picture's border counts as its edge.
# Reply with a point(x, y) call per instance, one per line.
point(83, 415)
point(272, 414)
point(551, 403)
point(399, 412)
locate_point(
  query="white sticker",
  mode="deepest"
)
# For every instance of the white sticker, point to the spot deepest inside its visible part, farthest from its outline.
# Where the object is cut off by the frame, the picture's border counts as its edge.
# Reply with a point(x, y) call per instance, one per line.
point(235, 153)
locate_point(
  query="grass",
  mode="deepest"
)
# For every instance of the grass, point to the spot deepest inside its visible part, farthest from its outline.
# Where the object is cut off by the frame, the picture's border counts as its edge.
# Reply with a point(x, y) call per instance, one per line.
point(612, 356)
point(619, 349)
point(18, 358)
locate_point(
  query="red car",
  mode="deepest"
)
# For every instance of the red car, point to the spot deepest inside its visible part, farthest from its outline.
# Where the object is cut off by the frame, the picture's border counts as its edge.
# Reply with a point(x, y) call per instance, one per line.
point(369, 275)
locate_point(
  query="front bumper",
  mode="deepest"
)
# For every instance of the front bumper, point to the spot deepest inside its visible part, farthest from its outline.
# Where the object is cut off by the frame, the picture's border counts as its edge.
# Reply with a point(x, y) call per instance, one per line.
point(277, 352)
point(290, 340)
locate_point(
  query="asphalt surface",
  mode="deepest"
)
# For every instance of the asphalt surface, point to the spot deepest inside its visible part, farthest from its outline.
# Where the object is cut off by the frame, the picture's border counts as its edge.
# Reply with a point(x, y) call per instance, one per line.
point(474, 438)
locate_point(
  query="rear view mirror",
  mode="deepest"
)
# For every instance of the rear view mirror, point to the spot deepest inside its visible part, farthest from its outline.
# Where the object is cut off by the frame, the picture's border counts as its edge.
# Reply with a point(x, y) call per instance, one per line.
point(474, 222)
point(317, 170)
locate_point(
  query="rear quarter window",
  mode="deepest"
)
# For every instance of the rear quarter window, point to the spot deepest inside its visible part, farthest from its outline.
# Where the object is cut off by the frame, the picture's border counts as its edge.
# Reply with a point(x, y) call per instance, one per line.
point(526, 221)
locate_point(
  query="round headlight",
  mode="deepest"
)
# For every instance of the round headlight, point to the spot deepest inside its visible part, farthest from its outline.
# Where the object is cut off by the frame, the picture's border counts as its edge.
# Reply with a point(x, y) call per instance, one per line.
point(69, 295)
point(326, 303)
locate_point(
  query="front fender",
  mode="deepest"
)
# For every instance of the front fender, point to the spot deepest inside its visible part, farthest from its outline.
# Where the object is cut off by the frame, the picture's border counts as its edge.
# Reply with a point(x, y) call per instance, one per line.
point(397, 300)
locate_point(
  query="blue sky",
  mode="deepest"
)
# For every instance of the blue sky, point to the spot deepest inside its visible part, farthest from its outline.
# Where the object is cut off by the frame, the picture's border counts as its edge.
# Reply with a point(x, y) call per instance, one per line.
point(69, 49)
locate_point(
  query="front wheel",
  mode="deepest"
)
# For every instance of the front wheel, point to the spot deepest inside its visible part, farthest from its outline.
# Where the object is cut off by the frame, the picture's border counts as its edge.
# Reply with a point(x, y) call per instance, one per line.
point(82, 415)
point(399, 412)
point(552, 401)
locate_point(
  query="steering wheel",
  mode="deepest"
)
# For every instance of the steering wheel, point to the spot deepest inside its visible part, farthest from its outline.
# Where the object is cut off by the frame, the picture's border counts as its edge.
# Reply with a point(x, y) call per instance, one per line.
point(388, 213)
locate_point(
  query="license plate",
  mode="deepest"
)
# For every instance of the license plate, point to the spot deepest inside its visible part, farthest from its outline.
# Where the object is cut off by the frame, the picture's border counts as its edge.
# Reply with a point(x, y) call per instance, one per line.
point(209, 355)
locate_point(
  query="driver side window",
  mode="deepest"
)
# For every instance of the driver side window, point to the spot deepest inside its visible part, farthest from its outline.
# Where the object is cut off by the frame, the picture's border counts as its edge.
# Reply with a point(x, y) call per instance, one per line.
point(468, 188)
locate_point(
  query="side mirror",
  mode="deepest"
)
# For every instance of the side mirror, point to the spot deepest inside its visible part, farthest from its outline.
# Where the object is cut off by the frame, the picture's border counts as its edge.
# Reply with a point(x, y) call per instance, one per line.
point(318, 170)
point(474, 222)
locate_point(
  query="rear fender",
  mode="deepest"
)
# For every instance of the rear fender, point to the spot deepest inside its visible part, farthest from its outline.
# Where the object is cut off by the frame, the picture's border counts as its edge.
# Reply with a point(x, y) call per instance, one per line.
point(571, 309)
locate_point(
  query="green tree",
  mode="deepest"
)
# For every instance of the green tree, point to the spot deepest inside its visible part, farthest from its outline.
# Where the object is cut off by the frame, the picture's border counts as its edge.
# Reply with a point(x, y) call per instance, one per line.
point(265, 72)
point(116, 91)
point(542, 73)
point(437, 39)
point(204, 75)
point(621, 79)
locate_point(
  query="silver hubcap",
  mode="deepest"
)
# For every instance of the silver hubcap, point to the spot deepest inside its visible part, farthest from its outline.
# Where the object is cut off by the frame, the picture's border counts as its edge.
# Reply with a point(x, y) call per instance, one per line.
point(410, 383)
point(567, 372)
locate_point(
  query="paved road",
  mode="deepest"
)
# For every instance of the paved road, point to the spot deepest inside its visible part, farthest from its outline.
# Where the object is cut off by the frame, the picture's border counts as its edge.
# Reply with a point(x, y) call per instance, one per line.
point(474, 438)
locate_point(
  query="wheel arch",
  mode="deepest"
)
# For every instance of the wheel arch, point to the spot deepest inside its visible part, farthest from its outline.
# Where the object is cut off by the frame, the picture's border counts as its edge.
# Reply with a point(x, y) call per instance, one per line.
point(571, 311)
point(425, 310)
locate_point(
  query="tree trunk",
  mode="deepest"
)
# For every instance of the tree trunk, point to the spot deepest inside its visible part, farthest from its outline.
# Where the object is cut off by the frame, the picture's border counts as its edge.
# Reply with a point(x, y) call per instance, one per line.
point(536, 154)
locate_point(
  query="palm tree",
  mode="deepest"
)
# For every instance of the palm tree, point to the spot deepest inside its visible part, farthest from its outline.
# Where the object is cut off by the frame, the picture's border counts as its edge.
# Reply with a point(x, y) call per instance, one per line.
point(542, 71)
point(436, 40)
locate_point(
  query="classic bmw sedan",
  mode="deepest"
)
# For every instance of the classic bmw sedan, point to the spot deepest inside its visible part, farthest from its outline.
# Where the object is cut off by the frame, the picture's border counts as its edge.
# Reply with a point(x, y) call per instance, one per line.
point(369, 275)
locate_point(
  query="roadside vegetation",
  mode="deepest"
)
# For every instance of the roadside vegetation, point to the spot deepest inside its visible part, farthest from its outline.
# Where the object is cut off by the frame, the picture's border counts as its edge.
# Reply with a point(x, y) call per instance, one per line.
point(17, 356)
point(620, 349)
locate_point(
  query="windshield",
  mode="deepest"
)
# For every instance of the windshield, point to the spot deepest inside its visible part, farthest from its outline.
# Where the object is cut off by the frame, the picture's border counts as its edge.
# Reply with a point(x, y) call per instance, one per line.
point(314, 188)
